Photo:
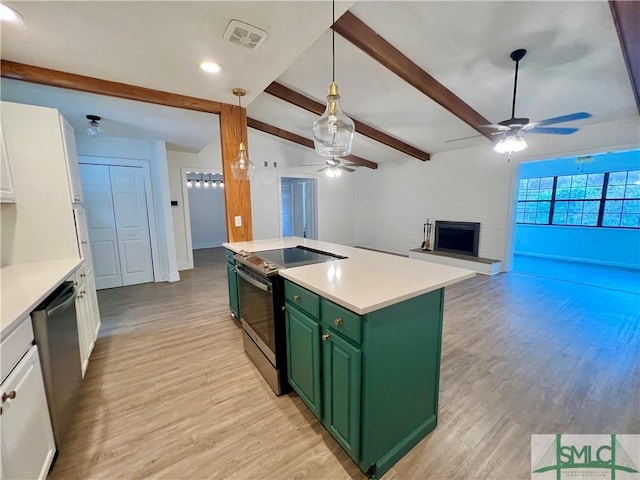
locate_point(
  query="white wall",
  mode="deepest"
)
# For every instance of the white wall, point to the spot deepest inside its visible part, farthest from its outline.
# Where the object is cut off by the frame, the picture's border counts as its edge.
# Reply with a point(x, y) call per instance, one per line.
point(154, 155)
point(336, 198)
point(205, 160)
point(207, 215)
point(473, 184)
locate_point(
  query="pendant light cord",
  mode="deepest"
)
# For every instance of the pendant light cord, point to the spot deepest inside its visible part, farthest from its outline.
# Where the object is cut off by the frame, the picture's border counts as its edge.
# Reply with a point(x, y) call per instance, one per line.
point(240, 105)
point(333, 40)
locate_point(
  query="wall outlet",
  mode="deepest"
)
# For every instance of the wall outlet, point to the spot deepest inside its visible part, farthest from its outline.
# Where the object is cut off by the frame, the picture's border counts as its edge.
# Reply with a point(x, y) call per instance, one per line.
point(238, 220)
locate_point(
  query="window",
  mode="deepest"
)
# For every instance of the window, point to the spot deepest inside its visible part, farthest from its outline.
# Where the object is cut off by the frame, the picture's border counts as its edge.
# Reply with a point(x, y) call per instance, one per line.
point(622, 200)
point(534, 200)
point(578, 199)
point(595, 200)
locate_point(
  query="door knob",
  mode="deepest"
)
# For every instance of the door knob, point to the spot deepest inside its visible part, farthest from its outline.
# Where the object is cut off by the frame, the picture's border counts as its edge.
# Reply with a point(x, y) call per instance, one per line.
point(325, 337)
point(8, 396)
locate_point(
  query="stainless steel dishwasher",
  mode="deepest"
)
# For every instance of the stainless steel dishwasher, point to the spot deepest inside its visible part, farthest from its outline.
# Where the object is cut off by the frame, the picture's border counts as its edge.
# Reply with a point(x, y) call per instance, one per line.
point(55, 327)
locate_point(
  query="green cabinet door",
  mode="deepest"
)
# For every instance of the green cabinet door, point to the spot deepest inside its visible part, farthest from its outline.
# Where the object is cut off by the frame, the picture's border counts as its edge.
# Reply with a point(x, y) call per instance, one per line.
point(342, 367)
point(303, 358)
point(232, 280)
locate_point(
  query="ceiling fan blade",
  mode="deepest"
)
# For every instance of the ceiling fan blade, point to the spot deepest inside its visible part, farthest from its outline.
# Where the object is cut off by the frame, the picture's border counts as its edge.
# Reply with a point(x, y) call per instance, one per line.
point(323, 169)
point(346, 169)
point(463, 138)
point(495, 126)
point(553, 130)
point(562, 119)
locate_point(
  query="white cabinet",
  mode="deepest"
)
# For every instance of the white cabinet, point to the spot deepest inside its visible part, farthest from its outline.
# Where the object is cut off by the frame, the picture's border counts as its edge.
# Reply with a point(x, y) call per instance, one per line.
point(88, 314)
point(7, 194)
point(25, 427)
point(82, 235)
point(71, 156)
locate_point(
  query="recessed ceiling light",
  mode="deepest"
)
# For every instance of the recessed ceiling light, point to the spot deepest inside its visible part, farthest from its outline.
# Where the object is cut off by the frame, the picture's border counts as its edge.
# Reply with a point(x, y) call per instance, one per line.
point(210, 67)
point(9, 14)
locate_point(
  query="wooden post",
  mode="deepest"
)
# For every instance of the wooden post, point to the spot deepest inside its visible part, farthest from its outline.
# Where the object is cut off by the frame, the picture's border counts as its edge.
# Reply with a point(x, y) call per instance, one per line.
point(237, 193)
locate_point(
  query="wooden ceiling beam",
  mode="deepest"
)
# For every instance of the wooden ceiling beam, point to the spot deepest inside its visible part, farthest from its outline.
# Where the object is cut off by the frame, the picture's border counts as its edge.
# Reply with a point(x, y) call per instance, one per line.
point(626, 17)
point(56, 78)
point(300, 140)
point(366, 39)
point(288, 95)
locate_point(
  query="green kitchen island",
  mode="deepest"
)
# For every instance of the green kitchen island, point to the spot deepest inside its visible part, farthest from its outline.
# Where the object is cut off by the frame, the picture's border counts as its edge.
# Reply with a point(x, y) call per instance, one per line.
point(363, 338)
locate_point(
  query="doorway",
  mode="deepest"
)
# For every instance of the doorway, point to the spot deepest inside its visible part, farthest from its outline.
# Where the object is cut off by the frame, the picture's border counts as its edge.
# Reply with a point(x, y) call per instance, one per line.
point(205, 215)
point(299, 207)
point(115, 199)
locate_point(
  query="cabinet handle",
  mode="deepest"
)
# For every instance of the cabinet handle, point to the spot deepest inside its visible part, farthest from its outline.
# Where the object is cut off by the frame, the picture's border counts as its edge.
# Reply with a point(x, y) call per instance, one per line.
point(83, 275)
point(297, 298)
point(82, 293)
point(8, 396)
point(325, 337)
point(337, 321)
point(84, 242)
point(75, 284)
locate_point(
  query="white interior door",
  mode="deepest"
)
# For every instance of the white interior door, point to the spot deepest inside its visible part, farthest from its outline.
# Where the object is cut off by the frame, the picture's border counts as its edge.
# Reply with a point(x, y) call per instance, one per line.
point(132, 224)
point(302, 207)
point(101, 223)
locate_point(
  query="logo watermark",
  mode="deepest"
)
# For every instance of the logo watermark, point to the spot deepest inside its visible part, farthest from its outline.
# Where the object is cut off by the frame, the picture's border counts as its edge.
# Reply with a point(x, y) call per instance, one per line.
point(574, 457)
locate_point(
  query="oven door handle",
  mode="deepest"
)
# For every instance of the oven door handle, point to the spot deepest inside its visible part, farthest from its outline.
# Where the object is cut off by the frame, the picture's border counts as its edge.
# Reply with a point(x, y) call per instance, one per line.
point(262, 286)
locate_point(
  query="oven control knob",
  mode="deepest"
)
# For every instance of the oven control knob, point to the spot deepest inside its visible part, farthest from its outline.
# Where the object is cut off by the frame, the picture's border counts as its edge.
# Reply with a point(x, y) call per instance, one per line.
point(269, 266)
point(243, 253)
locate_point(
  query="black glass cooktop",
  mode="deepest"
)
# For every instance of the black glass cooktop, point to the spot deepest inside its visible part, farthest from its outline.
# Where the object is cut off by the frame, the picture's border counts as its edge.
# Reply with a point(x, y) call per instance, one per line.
point(296, 256)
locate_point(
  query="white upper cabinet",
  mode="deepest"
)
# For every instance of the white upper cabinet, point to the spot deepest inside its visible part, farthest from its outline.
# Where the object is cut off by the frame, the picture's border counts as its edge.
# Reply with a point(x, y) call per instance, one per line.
point(7, 194)
point(73, 170)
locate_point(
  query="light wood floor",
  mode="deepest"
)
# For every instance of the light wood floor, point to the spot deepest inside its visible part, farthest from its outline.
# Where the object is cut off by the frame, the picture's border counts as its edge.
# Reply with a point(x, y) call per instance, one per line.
point(170, 394)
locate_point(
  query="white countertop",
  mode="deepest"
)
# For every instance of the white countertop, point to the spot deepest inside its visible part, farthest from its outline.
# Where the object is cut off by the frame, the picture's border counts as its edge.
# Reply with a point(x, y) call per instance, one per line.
point(367, 280)
point(24, 286)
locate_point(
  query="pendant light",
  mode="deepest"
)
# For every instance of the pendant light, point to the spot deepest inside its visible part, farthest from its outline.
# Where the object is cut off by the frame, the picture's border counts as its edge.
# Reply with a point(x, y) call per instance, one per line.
point(333, 131)
point(242, 168)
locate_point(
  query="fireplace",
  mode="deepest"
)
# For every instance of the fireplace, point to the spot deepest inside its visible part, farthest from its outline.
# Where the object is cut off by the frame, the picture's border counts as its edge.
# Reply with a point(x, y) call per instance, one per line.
point(457, 237)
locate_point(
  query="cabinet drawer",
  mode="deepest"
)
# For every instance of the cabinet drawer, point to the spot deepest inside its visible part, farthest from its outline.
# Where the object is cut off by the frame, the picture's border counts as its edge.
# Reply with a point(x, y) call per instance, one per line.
point(341, 320)
point(14, 345)
point(302, 298)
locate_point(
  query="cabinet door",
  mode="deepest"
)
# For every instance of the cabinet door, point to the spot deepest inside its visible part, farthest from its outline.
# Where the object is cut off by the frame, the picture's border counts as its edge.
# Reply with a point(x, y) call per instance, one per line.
point(82, 235)
point(303, 358)
point(84, 325)
point(92, 306)
point(25, 427)
point(232, 280)
point(7, 194)
point(342, 366)
point(71, 157)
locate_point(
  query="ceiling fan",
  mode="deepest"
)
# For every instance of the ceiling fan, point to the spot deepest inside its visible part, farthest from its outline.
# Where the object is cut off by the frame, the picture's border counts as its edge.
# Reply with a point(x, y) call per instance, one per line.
point(510, 129)
point(333, 167)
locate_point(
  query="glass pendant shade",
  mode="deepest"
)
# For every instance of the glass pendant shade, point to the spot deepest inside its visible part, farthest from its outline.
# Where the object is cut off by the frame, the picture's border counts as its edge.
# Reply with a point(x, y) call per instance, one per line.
point(333, 131)
point(510, 144)
point(242, 168)
point(94, 129)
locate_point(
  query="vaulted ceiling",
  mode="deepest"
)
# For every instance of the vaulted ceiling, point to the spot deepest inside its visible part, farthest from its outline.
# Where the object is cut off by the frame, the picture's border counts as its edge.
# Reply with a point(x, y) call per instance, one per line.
point(574, 63)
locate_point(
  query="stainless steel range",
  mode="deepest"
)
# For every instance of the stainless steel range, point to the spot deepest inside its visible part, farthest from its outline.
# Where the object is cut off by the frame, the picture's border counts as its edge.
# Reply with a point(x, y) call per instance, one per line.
point(261, 298)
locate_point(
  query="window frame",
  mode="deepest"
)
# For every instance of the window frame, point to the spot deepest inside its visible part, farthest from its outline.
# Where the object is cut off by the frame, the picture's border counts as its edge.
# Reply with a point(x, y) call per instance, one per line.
point(554, 200)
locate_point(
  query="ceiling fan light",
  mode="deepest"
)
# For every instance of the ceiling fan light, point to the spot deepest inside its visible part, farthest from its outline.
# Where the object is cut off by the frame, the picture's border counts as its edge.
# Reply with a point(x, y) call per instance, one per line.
point(94, 129)
point(9, 14)
point(510, 144)
point(333, 131)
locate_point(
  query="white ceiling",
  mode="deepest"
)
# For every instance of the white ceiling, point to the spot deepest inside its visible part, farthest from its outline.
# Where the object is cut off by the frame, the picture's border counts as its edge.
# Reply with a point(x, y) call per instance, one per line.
point(574, 64)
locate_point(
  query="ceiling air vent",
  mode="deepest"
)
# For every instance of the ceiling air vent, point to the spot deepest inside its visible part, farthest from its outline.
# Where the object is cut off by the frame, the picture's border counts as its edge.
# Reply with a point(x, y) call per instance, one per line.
point(244, 34)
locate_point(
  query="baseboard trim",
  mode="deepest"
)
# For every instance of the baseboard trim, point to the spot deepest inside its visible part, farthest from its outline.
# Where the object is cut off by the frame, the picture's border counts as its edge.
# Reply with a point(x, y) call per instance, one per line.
point(579, 260)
